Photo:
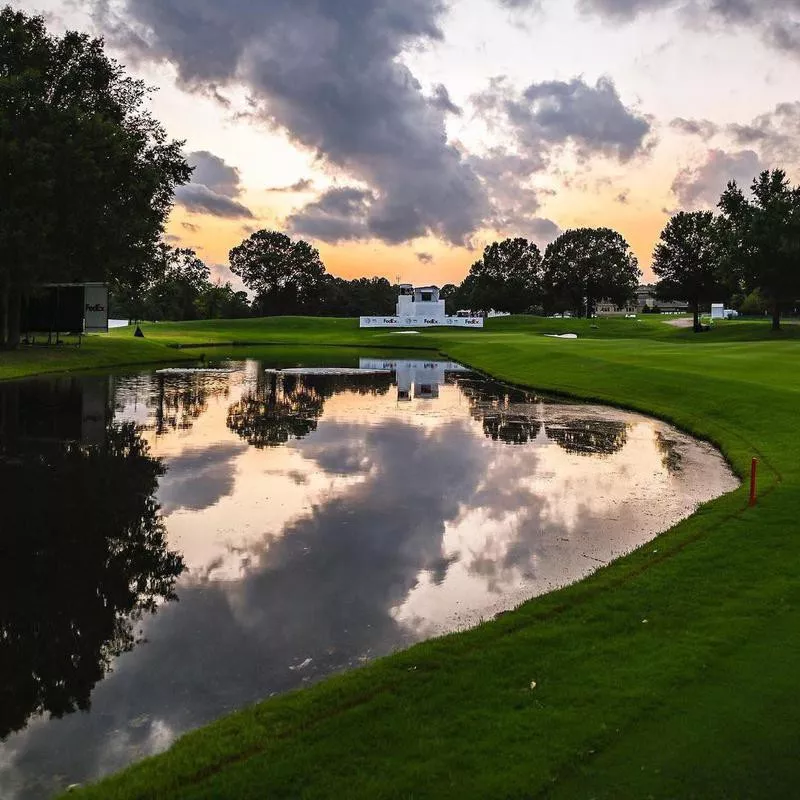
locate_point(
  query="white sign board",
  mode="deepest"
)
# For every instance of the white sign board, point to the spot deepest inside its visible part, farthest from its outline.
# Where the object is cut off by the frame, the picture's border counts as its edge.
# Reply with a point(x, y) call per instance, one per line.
point(95, 308)
point(421, 322)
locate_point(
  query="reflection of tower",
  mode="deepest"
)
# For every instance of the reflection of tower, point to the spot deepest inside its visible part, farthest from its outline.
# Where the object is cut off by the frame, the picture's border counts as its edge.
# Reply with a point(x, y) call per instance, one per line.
point(428, 377)
point(404, 380)
point(424, 377)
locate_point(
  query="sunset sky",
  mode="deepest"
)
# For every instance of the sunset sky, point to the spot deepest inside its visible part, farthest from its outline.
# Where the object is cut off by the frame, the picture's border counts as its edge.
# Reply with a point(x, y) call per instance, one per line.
point(400, 136)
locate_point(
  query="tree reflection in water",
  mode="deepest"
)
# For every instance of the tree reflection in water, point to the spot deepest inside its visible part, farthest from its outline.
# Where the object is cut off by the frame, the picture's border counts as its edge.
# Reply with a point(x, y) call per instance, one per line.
point(83, 555)
point(288, 406)
point(590, 436)
point(178, 400)
point(501, 411)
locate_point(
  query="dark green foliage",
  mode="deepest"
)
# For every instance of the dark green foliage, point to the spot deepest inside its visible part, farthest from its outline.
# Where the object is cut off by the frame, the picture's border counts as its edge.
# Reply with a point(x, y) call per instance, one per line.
point(585, 265)
point(285, 276)
point(507, 278)
point(688, 261)
point(762, 238)
point(86, 173)
point(360, 296)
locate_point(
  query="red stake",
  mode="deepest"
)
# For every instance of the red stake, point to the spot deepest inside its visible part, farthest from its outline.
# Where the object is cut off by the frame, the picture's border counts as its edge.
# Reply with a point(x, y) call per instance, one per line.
point(753, 470)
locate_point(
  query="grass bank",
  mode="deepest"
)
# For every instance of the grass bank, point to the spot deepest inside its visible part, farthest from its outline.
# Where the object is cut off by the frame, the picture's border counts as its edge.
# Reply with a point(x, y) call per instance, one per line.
point(670, 673)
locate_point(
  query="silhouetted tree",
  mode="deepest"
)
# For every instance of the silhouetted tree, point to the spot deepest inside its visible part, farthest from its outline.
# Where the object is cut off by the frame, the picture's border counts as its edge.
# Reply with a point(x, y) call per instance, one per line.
point(688, 260)
point(762, 237)
point(220, 301)
point(286, 276)
point(506, 278)
point(182, 279)
point(585, 265)
point(87, 173)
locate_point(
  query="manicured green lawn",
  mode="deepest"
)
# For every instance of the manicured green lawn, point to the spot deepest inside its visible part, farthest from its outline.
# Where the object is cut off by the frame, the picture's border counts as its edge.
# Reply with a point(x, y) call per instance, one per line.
point(699, 700)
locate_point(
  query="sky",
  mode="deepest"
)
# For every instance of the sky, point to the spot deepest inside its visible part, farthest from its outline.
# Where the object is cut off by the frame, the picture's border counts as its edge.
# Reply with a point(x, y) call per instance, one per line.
point(401, 136)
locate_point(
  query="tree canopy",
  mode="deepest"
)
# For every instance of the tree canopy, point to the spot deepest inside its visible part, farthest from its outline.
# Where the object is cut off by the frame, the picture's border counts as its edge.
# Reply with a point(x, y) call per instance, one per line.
point(762, 238)
point(285, 275)
point(506, 278)
point(585, 265)
point(87, 175)
point(688, 259)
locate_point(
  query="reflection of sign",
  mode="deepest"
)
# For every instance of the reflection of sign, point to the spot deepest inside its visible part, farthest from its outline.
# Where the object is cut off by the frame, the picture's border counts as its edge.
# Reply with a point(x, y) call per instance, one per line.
point(95, 308)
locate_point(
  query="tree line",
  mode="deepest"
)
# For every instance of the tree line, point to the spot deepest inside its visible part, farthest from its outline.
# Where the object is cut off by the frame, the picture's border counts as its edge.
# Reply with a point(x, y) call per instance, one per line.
point(87, 178)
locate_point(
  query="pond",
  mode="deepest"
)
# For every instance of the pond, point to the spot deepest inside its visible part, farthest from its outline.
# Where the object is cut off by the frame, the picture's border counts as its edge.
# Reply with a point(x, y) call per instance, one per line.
point(179, 543)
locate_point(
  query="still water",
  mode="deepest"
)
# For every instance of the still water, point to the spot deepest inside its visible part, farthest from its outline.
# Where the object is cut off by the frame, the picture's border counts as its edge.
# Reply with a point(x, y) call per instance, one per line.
point(177, 544)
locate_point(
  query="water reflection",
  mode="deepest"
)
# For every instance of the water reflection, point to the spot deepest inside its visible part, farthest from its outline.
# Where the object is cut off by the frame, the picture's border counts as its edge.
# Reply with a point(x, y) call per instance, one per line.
point(83, 551)
point(284, 406)
point(323, 519)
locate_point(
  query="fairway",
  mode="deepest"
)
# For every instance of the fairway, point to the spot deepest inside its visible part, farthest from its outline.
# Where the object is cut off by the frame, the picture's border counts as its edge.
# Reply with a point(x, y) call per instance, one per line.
point(670, 673)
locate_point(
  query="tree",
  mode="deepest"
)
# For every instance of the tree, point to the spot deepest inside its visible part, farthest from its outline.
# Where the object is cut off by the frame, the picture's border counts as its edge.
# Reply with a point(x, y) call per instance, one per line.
point(762, 238)
point(449, 293)
point(687, 259)
point(87, 175)
point(219, 301)
point(507, 278)
point(585, 265)
point(182, 278)
point(286, 276)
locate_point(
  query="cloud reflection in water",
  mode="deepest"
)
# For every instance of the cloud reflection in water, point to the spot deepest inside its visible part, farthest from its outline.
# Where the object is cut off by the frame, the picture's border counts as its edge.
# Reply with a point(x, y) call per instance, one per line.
point(313, 547)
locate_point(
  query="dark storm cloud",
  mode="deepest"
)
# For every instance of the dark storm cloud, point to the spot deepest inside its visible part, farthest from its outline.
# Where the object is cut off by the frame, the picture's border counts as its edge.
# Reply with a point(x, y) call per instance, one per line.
point(701, 186)
point(330, 75)
point(202, 200)
point(593, 119)
point(340, 214)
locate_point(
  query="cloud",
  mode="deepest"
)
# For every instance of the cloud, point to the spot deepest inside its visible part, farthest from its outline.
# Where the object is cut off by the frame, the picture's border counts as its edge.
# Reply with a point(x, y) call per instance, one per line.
point(591, 119)
point(201, 200)
point(190, 227)
point(330, 75)
point(703, 128)
point(213, 172)
point(213, 189)
point(198, 479)
point(302, 185)
point(774, 134)
point(340, 214)
point(775, 20)
point(441, 100)
point(701, 186)
point(424, 258)
point(623, 197)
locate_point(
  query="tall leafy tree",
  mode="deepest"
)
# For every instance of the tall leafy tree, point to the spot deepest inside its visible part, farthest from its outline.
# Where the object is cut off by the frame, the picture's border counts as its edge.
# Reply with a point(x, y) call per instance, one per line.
point(585, 265)
point(286, 276)
point(687, 260)
point(87, 175)
point(506, 278)
point(762, 236)
point(182, 280)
